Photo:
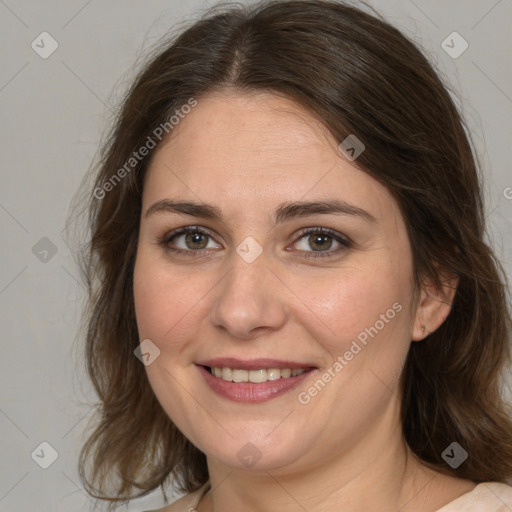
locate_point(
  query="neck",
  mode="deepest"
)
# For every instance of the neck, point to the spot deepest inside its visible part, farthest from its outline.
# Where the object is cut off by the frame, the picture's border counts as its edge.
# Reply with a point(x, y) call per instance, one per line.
point(377, 472)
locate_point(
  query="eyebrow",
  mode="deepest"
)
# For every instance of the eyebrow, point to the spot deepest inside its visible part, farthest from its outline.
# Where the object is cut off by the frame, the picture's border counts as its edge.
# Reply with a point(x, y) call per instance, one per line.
point(284, 212)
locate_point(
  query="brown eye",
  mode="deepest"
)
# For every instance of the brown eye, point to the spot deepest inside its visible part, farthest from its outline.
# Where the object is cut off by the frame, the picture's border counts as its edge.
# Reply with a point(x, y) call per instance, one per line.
point(318, 242)
point(191, 240)
point(196, 240)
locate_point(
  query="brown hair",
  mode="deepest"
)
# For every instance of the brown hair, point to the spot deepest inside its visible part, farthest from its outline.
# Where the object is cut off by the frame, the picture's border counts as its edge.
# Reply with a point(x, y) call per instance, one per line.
point(357, 75)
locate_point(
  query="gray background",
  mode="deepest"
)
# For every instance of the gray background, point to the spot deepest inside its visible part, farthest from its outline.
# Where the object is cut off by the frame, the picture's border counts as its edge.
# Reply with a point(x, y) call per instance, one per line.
point(54, 113)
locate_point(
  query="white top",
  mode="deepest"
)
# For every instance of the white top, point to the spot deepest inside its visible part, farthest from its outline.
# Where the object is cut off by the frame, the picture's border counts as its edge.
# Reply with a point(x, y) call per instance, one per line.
point(485, 497)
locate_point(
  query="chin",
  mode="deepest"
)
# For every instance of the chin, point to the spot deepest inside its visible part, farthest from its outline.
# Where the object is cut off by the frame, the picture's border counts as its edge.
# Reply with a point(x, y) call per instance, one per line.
point(253, 451)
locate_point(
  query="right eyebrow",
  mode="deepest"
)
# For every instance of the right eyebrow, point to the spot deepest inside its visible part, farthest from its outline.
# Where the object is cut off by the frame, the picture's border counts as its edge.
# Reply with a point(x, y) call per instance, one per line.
point(205, 211)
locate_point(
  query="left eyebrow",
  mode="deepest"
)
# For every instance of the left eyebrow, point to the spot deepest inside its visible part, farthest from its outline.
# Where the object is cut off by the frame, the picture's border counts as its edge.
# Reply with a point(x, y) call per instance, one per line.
point(303, 209)
point(284, 212)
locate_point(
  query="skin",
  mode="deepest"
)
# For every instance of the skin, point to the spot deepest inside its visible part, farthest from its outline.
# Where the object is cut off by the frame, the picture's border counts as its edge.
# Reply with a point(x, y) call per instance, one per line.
point(248, 154)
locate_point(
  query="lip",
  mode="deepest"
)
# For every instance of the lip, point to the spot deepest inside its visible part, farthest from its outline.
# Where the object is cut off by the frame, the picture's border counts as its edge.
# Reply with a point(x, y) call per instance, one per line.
point(251, 392)
point(253, 364)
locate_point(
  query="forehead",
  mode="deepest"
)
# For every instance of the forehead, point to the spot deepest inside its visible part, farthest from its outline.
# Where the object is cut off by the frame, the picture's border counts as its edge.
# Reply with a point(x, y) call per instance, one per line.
point(250, 152)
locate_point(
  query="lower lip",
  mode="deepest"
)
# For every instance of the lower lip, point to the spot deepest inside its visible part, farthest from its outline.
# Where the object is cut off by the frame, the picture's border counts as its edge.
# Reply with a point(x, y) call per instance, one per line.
point(250, 391)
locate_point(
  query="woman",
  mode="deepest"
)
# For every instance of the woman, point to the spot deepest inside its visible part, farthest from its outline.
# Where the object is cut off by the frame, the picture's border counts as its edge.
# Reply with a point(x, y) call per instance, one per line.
point(292, 305)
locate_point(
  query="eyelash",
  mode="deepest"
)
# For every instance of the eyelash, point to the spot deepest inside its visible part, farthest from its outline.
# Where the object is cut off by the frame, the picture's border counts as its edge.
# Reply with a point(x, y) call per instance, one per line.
point(345, 242)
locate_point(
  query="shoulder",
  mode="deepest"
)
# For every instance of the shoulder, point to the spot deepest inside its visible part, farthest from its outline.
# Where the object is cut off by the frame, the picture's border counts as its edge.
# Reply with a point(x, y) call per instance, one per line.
point(485, 497)
point(186, 503)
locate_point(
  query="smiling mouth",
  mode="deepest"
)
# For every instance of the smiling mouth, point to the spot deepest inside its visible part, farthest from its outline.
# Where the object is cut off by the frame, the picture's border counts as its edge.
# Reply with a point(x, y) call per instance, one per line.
point(254, 376)
point(254, 381)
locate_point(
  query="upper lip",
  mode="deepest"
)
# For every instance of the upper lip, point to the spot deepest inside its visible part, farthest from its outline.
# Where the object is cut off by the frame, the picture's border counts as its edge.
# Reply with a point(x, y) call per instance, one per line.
point(252, 364)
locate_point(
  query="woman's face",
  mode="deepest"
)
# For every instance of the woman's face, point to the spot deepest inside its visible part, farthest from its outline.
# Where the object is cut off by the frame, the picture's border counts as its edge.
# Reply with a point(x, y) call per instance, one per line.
point(253, 296)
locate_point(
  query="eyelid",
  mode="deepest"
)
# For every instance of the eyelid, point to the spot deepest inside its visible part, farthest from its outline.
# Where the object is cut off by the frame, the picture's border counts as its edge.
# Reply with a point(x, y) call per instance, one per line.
point(168, 236)
point(326, 231)
point(344, 241)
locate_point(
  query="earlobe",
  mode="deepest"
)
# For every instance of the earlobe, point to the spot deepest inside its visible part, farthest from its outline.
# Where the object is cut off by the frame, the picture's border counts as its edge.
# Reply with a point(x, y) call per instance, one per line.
point(433, 308)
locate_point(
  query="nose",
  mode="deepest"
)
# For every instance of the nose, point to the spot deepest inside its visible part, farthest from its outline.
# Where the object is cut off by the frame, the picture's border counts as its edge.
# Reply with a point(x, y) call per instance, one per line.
point(249, 300)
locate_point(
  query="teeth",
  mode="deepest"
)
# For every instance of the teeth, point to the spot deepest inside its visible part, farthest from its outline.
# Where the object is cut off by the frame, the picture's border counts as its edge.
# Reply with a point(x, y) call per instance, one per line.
point(285, 373)
point(240, 375)
point(256, 376)
point(273, 374)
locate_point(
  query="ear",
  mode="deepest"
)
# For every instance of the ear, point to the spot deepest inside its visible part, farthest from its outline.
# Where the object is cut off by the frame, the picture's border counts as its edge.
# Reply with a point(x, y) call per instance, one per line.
point(434, 306)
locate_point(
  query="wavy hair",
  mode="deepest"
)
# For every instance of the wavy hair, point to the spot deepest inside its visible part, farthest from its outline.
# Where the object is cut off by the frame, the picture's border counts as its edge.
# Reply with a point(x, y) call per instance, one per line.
point(359, 75)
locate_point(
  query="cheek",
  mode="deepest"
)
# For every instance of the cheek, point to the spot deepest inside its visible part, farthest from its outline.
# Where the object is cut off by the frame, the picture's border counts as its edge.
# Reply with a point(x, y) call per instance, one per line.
point(356, 299)
point(159, 302)
point(165, 304)
point(170, 305)
point(365, 330)
point(362, 318)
